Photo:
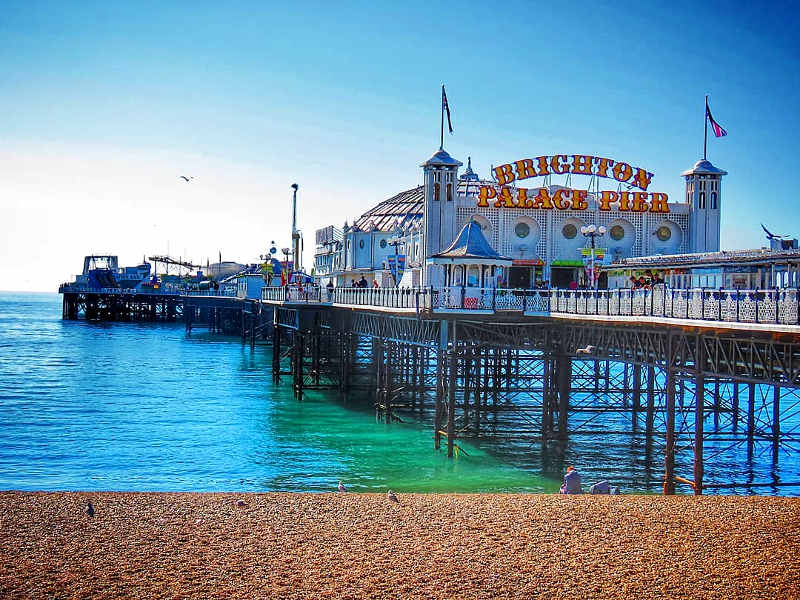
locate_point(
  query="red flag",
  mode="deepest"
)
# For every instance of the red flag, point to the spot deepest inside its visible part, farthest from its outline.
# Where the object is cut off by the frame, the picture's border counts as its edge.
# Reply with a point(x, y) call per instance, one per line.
point(446, 106)
point(718, 130)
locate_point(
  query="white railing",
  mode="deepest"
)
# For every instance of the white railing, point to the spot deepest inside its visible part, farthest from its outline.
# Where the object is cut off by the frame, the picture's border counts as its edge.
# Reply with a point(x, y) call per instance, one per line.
point(82, 289)
point(491, 299)
point(224, 292)
point(416, 298)
point(776, 306)
point(305, 294)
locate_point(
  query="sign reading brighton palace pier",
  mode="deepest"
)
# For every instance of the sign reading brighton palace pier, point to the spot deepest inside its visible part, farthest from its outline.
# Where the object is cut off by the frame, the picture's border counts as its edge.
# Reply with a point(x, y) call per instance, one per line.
point(505, 196)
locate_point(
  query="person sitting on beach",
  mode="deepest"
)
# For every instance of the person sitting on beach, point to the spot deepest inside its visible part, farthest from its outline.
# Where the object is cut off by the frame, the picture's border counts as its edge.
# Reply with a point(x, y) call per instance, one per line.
point(572, 482)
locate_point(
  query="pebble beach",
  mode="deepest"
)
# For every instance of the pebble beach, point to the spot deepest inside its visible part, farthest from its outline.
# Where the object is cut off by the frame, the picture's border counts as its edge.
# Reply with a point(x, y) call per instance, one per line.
point(346, 545)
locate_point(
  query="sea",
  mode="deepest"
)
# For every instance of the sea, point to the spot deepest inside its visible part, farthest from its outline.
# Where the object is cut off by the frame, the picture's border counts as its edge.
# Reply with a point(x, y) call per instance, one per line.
point(148, 407)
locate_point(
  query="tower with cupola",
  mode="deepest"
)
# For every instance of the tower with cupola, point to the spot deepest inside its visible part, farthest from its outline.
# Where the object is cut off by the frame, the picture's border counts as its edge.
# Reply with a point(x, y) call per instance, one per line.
point(440, 174)
point(704, 196)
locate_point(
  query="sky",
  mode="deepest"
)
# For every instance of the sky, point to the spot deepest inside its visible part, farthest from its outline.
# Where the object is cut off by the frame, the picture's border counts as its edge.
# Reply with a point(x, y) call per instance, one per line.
point(104, 105)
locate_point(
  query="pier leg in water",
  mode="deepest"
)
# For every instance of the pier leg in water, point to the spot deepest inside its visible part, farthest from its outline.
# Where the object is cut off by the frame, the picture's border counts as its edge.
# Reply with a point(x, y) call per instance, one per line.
point(669, 451)
point(699, 415)
point(565, 383)
point(276, 349)
point(452, 360)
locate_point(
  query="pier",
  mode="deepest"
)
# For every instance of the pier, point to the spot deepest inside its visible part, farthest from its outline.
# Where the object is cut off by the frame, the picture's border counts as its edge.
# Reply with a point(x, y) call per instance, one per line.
point(700, 375)
point(685, 369)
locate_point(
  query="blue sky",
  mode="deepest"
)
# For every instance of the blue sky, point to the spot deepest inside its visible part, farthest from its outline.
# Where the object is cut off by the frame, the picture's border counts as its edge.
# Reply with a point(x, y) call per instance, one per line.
point(104, 106)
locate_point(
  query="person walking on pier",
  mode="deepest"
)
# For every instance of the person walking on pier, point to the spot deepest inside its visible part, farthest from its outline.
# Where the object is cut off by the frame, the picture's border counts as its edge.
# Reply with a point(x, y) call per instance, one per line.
point(572, 482)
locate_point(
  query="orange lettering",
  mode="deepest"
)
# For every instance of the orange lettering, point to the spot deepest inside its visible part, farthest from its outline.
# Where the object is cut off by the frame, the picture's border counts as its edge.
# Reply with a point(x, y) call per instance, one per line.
point(606, 198)
point(504, 174)
point(658, 204)
point(622, 171)
point(542, 200)
point(522, 198)
point(582, 164)
point(642, 178)
point(559, 167)
point(625, 201)
point(505, 199)
point(485, 194)
point(525, 168)
point(579, 199)
point(640, 202)
point(559, 201)
point(602, 166)
point(543, 164)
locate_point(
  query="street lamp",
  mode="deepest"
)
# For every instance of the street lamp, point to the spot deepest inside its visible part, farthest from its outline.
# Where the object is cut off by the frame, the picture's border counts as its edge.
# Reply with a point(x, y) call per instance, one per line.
point(592, 232)
point(395, 241)
point(286, 253)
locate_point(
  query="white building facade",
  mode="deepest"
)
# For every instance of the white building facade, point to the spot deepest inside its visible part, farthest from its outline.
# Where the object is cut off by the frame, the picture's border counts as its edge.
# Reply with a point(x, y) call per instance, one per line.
point(538, 227)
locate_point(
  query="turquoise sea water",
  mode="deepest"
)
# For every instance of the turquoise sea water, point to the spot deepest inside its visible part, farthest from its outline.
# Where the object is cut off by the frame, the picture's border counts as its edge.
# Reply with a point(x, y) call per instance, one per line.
point(126, 406)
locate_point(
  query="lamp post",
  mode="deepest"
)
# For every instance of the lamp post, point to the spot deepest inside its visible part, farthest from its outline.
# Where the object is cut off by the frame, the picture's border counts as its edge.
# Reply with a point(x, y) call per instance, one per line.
point(395, 241)
point(592, 232)
point(286, 253)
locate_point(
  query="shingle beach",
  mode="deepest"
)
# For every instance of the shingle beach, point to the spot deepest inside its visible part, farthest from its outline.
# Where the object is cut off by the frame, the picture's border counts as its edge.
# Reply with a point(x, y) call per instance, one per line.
point(154, 545)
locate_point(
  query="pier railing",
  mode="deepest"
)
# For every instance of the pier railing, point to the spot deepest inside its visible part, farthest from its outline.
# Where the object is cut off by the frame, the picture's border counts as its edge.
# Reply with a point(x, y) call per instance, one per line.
point(82, 289)
point(417, 298)
point(226, 292)
point(303, 294)
point(773, 306)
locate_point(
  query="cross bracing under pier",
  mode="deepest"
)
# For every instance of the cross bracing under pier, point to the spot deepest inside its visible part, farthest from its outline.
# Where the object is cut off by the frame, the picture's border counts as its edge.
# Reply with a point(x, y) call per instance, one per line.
point(538, 381)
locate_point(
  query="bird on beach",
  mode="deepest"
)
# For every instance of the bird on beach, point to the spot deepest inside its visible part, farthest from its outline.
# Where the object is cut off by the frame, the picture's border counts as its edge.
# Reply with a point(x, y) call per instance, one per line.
point(587, 350)
point(185, 178)
point(89, 509)
point(392, 496)
point(341, 487)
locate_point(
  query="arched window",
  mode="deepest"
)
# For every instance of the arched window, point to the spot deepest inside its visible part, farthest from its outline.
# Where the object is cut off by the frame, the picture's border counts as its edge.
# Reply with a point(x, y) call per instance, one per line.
point(436, 191)
point(449, 192)
point(713, 200)
point(702, 203)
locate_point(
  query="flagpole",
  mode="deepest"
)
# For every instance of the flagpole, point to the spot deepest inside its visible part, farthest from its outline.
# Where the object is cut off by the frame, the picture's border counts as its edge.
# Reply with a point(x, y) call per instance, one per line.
point(705, 133)
point(441, 128)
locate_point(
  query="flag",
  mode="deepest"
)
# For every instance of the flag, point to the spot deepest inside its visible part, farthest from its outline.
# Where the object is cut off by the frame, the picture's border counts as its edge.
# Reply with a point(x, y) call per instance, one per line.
point(446, 107)
point(718, 131)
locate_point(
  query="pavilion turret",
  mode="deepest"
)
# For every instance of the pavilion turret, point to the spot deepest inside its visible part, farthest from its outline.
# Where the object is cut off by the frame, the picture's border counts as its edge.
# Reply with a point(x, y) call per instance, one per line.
point(476, 257)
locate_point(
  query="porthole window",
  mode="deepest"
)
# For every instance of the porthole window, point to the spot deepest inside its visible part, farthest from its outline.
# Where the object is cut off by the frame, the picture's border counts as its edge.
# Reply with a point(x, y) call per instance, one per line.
point(361, 243)
point(522, 230)
point(383, 243)
point(617, 233)
point(569, 231)
point(663, 233)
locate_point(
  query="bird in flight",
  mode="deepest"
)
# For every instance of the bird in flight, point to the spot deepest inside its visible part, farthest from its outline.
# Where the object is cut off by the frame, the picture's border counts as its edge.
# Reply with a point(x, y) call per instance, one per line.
point(341, 487)
point(587, 350)
point(771, 236)
point(392, 496)
point(185, 178)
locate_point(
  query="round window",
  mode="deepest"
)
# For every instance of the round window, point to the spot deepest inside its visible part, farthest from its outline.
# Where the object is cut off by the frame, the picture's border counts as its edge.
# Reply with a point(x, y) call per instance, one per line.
point(569, 231)
point(522, 230)
point(663, 233)
point(383, 243)
point(617, 233)
point(361, 243)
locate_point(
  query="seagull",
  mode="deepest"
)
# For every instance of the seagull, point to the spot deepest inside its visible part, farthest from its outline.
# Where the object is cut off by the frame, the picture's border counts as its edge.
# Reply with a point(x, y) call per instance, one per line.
point(587, 350)
point(391, 496)
point(89, 509)
point(771, 236)
point(185, 178)
point(341, 487)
